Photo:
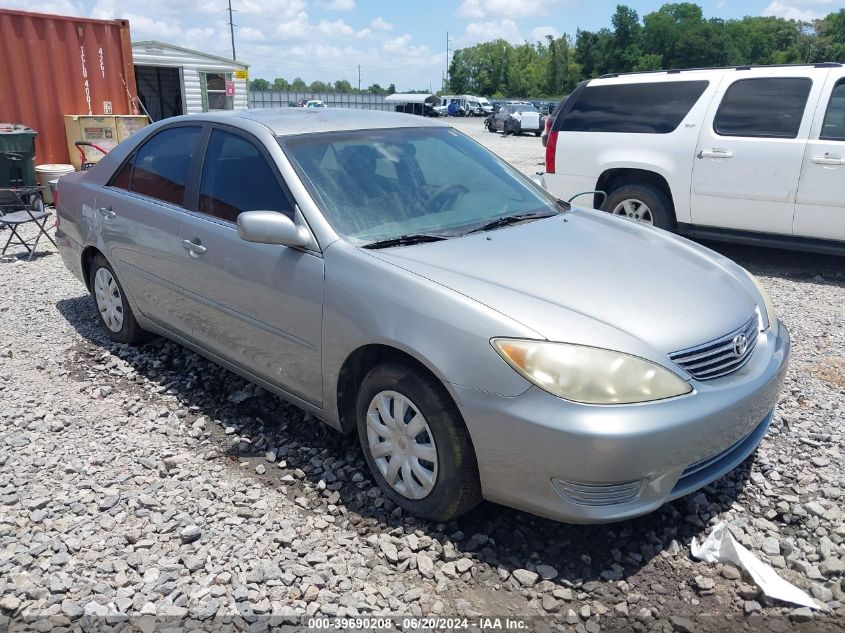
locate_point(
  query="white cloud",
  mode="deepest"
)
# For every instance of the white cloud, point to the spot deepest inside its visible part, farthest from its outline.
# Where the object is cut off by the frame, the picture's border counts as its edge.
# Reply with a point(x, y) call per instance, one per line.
point(380, 24)
point(278, 38)
point(338, 29)
point(337, 5)
point(494, 29)
point(539, 34)
point(805, 10)
point(476, 9)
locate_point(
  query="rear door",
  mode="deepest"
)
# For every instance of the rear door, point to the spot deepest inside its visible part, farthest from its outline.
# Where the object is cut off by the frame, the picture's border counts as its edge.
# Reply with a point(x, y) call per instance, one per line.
point(139, 214)
point(749, 152)
point(820, 209)
point(258, 306)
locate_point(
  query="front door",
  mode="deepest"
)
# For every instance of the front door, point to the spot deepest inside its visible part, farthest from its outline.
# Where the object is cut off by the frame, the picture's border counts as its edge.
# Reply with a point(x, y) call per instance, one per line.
point(749, 153)
point(820, 210)
point(258, 306)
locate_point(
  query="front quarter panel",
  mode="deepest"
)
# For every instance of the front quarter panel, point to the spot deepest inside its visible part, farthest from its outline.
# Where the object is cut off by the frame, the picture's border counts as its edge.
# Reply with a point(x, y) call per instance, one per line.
point(369, 301)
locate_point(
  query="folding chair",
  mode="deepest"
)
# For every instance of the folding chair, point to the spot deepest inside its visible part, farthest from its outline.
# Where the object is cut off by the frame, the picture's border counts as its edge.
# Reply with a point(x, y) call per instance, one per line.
point(15, 211)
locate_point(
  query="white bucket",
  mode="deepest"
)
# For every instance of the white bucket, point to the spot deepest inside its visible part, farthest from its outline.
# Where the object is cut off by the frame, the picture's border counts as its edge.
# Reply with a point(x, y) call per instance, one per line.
point(48, 172)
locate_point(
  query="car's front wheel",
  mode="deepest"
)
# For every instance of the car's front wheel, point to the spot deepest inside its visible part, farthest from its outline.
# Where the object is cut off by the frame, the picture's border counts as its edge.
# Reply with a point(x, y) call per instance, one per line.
point(641, 203)
point(116, 316)
point(416, 444)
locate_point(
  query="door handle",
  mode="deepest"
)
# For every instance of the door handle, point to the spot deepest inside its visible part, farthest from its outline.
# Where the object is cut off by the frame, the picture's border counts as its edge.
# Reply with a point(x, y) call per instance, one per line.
point(195, 249)
point(715, 153)
point(828, 159)
point(106, 212)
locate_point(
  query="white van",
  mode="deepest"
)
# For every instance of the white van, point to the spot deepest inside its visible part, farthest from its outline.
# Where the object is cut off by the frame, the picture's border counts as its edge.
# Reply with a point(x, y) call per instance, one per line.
point(754, 154)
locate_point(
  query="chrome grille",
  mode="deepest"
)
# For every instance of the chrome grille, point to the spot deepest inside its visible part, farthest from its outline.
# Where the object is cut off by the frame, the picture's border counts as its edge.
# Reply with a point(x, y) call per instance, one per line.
point(720, 357)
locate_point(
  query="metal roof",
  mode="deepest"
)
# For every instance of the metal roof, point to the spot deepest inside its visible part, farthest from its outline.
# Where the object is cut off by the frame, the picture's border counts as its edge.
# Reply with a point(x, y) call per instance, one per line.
point(190, 51)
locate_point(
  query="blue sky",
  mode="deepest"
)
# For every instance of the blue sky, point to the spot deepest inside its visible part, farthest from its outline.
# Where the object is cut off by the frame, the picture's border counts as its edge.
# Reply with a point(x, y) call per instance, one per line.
point(398, 41)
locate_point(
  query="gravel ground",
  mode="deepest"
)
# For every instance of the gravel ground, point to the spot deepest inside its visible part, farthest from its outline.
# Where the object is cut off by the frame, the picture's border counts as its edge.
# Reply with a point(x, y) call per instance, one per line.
point(151, 482)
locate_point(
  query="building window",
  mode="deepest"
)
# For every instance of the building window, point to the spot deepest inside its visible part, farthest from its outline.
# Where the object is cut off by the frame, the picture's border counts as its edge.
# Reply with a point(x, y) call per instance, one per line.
point(214, 91)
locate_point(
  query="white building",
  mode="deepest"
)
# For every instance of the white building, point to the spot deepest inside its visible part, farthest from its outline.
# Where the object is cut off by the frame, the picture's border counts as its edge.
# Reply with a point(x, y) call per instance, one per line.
point(172, 80)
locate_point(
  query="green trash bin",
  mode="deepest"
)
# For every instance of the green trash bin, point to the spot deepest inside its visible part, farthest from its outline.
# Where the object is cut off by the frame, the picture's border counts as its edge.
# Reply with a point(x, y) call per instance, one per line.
point(17, 156)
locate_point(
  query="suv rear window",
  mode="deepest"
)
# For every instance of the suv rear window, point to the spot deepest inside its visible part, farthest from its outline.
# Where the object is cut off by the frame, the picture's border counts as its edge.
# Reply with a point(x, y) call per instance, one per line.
point(763, 107)
point(643, 108)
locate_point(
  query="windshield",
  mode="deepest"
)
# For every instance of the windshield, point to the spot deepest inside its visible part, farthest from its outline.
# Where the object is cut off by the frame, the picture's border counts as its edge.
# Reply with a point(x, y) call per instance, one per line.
point(524, 108)
point(374, 185)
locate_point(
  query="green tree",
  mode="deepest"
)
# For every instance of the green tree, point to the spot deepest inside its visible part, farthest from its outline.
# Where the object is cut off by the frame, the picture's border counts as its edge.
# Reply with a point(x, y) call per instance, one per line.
point(259, 85)
point(376, 90)
point(281, 84)
point(342, 85)
point(298, 85)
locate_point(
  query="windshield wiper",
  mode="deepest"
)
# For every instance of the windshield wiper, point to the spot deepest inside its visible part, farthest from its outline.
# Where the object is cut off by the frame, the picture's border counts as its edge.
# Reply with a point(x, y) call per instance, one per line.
point(407, 240)
point(508, 220)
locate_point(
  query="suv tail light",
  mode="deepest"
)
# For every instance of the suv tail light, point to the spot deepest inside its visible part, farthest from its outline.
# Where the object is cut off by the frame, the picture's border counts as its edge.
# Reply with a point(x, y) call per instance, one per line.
point(551, 148)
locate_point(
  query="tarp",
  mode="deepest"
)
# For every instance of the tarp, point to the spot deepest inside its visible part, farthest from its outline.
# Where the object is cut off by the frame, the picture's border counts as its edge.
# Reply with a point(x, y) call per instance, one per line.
point(413, 98)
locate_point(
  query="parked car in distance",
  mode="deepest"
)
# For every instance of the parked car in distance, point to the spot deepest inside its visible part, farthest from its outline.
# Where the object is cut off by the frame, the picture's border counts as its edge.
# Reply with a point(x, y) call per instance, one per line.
point(479, 335)
point(315, 103)
point(744, 154)
point(549, 119)
point(516, 118)
point(486, 106)
point(475, 108)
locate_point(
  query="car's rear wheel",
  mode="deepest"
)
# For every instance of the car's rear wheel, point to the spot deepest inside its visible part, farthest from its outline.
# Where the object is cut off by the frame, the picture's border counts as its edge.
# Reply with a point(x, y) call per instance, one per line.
point(641, 203)
point(115, 314)
point(416, 444)
point(491, 127)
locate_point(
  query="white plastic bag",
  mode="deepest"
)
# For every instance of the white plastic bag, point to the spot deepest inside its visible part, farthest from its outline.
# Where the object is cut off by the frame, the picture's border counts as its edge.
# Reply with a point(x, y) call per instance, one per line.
point(720, 547)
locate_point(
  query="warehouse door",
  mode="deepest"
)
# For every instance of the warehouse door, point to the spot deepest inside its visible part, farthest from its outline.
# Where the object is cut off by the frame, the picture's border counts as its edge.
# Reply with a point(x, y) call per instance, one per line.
point(160, 90)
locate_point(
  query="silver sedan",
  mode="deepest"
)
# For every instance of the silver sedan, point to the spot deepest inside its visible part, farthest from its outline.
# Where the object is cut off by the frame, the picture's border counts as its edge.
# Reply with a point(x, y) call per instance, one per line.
point(394, 278)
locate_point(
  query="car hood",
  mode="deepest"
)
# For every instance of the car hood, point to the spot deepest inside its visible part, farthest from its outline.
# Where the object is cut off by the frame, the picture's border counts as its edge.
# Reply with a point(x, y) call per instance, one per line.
point(591, 278)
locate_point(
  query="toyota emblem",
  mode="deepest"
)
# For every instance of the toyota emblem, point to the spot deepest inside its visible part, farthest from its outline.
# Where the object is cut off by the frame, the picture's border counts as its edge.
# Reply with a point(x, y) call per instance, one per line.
point(740, 345)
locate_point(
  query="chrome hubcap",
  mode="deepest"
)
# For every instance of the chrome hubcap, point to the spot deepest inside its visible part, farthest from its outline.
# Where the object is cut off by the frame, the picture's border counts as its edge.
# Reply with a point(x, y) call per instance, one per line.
point(109, 301)
point(635, 210)
point(402, 445)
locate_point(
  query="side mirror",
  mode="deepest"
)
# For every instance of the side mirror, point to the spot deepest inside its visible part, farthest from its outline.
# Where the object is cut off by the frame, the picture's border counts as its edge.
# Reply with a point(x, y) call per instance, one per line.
point(271, 227)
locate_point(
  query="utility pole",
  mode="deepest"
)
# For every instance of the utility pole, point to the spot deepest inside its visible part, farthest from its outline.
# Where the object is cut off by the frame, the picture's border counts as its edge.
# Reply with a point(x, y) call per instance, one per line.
point(359, 77)
point(447, 60)
point(232, 31)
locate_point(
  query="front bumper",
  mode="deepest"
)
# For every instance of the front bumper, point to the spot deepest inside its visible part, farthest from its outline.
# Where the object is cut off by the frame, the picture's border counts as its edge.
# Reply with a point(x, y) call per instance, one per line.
point(556, 459)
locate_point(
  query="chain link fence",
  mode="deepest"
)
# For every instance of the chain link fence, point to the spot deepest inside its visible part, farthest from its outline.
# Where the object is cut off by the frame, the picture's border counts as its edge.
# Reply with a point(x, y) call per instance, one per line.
point(275, 99)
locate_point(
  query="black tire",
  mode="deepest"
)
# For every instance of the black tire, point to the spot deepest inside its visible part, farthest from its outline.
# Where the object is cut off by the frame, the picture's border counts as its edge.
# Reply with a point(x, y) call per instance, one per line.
point(491, 127)
point(457, 489)
point(663, 216)
point(130, 332)
point(538, 133)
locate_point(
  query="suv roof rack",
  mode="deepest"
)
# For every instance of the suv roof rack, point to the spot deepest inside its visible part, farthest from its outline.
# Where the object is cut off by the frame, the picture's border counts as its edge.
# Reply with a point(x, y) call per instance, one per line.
point(676, 71)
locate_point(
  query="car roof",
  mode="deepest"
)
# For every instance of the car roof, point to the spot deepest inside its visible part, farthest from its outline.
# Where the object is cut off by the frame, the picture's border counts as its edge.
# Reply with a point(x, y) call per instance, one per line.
point(290, 121)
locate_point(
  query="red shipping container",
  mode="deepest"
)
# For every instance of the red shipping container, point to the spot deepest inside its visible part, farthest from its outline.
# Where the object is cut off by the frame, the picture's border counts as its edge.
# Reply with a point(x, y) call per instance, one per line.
point(53, 65)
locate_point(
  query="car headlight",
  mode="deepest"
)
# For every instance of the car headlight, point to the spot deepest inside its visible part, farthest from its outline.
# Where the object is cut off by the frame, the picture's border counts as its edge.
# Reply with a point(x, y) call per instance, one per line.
point(590, 375)
point(770, 319)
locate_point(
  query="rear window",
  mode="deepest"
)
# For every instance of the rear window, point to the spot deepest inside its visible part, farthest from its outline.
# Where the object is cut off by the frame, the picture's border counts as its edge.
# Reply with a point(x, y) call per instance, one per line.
point(645, 108)
point(764, 107)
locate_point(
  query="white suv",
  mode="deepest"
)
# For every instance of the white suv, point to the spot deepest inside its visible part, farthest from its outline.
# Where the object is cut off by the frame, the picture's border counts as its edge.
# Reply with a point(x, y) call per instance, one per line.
point(743, 154)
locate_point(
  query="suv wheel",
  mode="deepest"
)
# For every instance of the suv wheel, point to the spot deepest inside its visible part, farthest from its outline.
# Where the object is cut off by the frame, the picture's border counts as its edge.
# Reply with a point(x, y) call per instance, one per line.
point(116, 316)
point(641, 203)
point(416, 444)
